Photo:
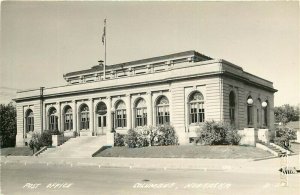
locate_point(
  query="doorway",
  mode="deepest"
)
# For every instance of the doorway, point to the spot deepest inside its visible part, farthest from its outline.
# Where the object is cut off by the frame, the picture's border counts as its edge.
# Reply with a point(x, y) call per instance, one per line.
point(101, 114)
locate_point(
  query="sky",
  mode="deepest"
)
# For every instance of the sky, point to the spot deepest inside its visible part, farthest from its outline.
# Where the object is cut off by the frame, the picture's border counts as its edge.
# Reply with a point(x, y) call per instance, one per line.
point(41, 41)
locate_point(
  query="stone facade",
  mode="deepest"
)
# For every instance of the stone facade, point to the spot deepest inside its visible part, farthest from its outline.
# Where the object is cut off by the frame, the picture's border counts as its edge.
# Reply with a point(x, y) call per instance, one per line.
point(182, 89)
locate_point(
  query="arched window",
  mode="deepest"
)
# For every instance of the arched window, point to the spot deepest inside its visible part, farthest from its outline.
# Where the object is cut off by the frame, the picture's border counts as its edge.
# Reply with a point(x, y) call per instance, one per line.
point(53, 119)
point(84, 117)
point(249, 111)
point(68, 118)
point(121, 115)
point(162, 111)
point(140, 113)
point(196, 105)
point(232, 107)
point(29, 121)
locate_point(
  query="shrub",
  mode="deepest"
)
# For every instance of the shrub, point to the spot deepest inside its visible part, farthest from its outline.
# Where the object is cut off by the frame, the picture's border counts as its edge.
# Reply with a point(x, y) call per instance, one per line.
point(217, 133)
point(46, 138)
point(144, 136)
point(55, 132)
point(165, 135)
point(119, 140)
point(131, 138)
point(284, 135)
point(35, 141)
point(38, 140)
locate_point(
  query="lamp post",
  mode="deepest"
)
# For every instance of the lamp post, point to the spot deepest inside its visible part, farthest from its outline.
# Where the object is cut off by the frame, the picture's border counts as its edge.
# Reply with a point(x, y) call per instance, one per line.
point(264, 104)
point(250, 101)
point(113, 119)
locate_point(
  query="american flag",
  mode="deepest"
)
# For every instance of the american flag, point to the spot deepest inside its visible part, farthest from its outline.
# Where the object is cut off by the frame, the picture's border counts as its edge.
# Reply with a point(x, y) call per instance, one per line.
point(104, 32)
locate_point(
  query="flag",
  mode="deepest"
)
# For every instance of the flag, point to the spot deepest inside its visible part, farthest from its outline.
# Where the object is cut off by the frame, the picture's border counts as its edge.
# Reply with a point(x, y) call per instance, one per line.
point(104, 32)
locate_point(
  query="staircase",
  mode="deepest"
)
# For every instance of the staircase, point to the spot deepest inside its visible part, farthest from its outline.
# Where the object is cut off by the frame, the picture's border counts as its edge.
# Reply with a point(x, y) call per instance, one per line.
point(271, 148)
point(79, 147)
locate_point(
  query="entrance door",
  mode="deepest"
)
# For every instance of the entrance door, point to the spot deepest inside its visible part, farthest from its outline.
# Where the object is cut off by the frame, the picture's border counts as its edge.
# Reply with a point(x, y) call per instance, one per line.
point(101, 113)
point(102, 124)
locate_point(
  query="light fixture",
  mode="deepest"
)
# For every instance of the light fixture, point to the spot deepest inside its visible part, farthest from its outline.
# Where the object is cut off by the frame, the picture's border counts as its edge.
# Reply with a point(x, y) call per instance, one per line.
point(250, 101)
point(112, 110)
point(264, 104)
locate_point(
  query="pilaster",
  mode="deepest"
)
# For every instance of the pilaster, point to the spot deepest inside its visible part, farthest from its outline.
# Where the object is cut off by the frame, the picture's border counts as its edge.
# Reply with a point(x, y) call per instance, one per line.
point(91, 106)
point(109, 114)
point(149, 109)
point(128, 110)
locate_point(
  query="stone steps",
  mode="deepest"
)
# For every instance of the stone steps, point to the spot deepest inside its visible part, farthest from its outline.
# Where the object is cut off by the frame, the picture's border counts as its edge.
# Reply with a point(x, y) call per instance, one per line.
point(77, 147)
point(278, 151)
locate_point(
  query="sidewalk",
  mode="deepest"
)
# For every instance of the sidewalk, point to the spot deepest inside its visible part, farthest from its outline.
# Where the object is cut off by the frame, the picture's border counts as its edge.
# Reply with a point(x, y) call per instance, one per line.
point(230, 165)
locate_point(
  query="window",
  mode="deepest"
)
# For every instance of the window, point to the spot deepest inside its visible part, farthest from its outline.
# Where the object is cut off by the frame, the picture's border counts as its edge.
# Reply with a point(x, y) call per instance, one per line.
point(196, 107)
point(232, 107)
point(84, 117)
point(121, 115)
point(68, 122)
point(53, 119)
point(141, 113)
point(162, 111)
point(29, 121)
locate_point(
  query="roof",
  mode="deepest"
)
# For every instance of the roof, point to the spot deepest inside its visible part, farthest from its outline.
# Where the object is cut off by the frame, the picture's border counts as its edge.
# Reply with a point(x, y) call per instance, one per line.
point(97, 68)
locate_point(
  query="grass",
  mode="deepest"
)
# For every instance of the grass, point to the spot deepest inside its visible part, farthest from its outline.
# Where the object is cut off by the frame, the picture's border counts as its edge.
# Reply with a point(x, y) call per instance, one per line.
point(211, 152)
point(17, 151)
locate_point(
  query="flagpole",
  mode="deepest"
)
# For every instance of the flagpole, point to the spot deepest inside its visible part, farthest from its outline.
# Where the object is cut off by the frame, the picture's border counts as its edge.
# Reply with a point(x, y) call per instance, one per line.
point(104, 68)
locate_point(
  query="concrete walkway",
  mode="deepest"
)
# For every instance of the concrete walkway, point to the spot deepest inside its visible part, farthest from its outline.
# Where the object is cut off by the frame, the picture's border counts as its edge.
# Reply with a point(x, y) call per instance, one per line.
point(232, 165)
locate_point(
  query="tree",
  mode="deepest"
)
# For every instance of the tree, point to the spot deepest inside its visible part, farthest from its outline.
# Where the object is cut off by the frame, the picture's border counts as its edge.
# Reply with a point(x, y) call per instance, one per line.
point(286, 113)
point(8, 125)
point(284, 135)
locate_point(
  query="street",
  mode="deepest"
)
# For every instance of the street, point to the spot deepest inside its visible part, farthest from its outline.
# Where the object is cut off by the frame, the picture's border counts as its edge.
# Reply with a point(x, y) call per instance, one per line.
point(34, 178)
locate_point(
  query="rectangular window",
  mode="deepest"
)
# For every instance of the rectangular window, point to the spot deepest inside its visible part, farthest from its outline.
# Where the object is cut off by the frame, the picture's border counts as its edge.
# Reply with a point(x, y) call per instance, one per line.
point(104, 121)
point(197, 112)
point(141, 117)
point(231, 115)
point(68, 122)
point(249, 115)
point(121, 118)
point(30, 124)
point(162, 115)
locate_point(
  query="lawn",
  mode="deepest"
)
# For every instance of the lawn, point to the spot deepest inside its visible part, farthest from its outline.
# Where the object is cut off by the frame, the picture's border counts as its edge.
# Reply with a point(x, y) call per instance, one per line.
point(17, 151)
point(211, 152)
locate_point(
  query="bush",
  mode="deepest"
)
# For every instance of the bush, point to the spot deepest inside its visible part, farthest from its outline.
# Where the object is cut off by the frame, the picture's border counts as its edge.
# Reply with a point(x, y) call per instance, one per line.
point(217, 133)
point(119, 140)
point(131, 138)
point(55, 132)
point(164, 135)
point(38, 140)
point(35, 141)
point(46, 138)
point(284, 135)
point(148, 136)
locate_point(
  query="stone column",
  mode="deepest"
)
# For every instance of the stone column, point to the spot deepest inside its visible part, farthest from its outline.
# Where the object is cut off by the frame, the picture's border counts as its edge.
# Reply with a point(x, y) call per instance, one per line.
point(91, 106)
point(128, 110)
point(149, 109)
point(109, 114)
point(44, 127)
